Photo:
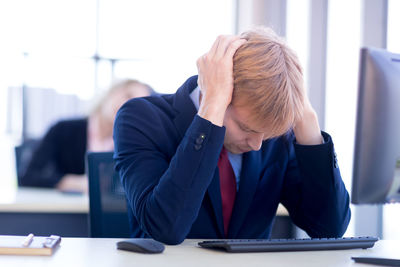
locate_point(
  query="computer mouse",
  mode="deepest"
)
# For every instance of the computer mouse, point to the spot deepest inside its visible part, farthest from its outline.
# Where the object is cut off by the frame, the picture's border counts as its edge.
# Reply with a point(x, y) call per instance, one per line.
point(141, 245)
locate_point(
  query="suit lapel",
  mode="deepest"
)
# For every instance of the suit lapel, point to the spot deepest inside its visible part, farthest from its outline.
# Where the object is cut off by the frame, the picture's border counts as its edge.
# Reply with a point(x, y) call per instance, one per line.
point(214, 192)
point(184, 106)
point(249, 178)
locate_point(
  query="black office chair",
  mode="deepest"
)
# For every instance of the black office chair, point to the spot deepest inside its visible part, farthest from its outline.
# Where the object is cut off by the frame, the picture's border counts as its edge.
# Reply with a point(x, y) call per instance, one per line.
point(108, 215)
point(23, 155)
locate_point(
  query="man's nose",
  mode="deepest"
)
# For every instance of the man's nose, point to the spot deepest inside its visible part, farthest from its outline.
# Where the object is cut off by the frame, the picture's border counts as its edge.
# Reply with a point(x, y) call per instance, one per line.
point(255, 141)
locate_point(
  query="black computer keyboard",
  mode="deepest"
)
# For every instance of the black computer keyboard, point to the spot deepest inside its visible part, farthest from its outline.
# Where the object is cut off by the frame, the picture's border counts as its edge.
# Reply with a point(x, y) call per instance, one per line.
point(275, 245)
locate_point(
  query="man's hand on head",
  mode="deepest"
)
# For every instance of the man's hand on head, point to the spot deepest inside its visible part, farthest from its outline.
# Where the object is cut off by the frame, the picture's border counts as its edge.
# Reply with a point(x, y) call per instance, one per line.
point(307, 130)
point(216, 78)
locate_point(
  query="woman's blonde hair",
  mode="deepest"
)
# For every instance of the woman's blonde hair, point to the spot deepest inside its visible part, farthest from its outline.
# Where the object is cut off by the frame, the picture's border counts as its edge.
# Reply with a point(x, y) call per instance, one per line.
point(124, 85)
point(268, 80)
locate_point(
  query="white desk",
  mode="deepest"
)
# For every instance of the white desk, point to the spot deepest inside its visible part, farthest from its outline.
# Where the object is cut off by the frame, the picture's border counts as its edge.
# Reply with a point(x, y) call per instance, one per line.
point(102, 252)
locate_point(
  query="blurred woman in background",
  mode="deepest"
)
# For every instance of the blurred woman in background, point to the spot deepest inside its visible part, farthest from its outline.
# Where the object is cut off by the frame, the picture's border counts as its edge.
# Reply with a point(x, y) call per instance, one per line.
point(59, 160)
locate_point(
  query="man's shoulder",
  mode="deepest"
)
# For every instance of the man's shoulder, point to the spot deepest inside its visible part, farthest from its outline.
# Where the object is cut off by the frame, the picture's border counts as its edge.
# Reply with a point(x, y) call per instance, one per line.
point(148, 106)
point(146, 123)
point(148, 116)
point(150, 101)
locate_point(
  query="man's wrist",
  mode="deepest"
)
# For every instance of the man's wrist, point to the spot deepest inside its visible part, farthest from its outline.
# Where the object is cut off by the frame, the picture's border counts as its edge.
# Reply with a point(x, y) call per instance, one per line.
point(212, 111)
point(307, 130)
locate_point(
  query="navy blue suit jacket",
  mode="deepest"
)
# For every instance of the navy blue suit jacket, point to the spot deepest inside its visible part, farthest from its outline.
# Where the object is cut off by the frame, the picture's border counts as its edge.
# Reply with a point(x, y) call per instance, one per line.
point(171, 177)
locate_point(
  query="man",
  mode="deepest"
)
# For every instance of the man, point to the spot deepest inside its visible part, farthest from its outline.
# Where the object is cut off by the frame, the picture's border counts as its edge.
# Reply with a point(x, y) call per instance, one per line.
point(216, 158)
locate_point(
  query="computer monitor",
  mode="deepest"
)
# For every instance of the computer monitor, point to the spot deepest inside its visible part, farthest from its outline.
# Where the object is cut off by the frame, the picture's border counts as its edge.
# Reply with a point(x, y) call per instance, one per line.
point(376, 170)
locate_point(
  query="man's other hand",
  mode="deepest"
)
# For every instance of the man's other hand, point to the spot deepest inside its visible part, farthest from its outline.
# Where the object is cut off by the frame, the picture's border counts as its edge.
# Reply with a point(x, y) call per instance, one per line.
point(307, 130)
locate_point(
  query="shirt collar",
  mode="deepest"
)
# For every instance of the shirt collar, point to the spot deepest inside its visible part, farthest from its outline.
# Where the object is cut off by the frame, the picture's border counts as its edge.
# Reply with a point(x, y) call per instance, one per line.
point(195, 96)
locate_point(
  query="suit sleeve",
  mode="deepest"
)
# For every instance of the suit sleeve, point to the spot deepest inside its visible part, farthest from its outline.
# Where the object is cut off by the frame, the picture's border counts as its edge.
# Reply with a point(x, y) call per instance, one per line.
point(165, 193)
point(314, 192)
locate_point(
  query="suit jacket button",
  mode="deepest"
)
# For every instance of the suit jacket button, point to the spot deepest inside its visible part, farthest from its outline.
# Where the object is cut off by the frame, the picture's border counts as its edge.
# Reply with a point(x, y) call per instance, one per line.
point(197, 147)
point(200, 139)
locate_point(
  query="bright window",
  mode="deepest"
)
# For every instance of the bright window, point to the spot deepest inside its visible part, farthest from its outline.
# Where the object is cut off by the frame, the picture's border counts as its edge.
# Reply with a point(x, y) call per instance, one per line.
point(343, 50)
point(52, 46)
point(297, 30)
point(164, 52)
point(393, 36)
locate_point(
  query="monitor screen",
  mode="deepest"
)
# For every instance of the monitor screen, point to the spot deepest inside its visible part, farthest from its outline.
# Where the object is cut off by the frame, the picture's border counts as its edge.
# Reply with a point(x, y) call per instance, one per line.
point(376, 170)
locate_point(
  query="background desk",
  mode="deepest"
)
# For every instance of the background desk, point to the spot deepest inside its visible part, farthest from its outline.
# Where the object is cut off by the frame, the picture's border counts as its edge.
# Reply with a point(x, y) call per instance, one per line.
point(44, 212)
point(48, 211)
point(102, 252)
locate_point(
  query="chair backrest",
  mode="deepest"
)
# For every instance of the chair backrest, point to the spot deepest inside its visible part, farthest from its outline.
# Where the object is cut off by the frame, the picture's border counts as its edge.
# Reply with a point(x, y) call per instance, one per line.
point(23, 155)
point(108, 216)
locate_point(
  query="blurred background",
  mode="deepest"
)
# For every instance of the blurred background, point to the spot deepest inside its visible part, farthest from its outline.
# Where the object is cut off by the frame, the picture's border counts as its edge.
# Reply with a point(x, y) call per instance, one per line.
point(58, 57)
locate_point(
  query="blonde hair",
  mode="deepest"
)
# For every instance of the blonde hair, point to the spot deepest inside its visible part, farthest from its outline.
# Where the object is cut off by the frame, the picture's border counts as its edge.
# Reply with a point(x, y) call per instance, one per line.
point(268, 79)
point(122, 85)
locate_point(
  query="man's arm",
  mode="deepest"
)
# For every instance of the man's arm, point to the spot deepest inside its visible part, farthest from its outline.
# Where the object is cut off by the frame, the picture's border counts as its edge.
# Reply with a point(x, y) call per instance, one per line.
point(314, 192)
point(166, 195)
point(306, 129)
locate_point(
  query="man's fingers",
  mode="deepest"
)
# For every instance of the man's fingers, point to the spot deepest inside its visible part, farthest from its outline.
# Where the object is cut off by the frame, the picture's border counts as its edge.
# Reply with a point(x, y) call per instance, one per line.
point(214, 47)
point(233, 46)
point(223, 45)
point(199, 61)
point(220, 46)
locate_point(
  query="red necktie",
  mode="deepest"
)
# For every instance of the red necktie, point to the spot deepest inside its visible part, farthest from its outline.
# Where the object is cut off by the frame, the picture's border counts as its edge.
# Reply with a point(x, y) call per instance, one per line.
point(227, 183)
